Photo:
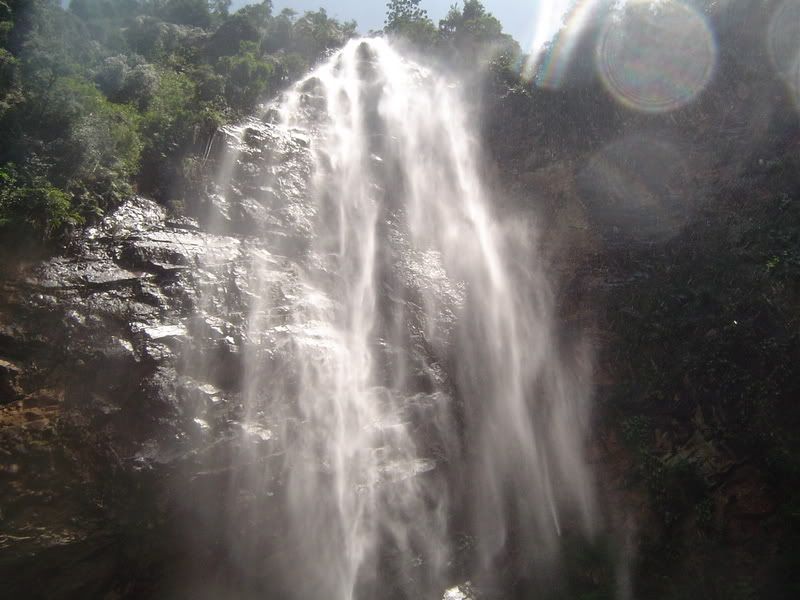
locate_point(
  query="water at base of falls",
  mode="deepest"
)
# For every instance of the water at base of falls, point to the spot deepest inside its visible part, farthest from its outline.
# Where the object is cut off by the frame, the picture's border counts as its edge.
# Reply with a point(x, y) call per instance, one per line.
point(403, 371)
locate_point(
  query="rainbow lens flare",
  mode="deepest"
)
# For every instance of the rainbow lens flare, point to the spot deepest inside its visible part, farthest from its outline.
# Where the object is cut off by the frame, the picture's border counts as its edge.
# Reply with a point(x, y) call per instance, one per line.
point(656, 57)
point(784, 45)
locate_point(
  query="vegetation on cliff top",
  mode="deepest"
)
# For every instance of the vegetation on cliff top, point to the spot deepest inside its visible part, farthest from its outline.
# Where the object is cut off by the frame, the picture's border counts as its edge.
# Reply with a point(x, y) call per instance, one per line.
point(110, 96)
point(107, 97)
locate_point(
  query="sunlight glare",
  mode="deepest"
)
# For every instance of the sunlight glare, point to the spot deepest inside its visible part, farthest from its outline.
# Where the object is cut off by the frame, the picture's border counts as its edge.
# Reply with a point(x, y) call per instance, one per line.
point(557, 56)
point(784, 45)
point(549, 17)
point(656, 57)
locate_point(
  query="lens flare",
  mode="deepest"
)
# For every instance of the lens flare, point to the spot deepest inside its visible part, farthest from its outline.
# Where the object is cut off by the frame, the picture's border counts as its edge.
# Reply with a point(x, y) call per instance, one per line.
point(552, 70)
point(784, 45)
point(637, 188)
point(549, 15)
point(656, 57)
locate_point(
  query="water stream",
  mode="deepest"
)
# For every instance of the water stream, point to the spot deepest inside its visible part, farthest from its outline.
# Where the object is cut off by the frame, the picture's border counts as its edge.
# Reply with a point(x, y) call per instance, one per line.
point(421, 415)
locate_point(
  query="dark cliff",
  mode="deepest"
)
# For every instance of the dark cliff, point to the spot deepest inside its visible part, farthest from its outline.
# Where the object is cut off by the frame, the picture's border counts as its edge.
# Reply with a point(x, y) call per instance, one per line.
point(674, 238)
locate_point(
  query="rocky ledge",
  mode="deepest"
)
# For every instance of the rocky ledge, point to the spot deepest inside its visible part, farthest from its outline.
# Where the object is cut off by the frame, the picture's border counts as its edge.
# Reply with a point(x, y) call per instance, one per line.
point(118, 375)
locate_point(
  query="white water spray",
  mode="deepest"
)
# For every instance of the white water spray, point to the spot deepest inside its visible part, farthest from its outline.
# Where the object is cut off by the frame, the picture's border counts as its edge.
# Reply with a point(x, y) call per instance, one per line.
point(409, 377)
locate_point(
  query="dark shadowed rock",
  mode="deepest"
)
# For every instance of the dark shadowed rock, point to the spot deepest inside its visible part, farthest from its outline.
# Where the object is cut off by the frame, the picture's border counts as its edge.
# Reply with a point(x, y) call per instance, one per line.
point(97, 416)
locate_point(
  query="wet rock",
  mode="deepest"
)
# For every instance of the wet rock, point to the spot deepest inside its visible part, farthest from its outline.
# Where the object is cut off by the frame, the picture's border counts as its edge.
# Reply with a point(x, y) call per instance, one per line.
point(746, 499)
point(10, 375)
point(217, 213)
point(118, 368)
point(252, 217)
point(461, 592)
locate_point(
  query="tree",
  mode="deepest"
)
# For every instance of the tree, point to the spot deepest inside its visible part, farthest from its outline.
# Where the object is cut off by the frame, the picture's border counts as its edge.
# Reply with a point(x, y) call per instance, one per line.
point(105, 93)
point(315, 33)
point(187, 12)
point(279, 33)
point(247, 77)
point(31, 207)
point(472, 31)
point(229, 36)
point(405, 18)
point(220, 8)
point(104, 9)
point(259, 14)
point(402, 12)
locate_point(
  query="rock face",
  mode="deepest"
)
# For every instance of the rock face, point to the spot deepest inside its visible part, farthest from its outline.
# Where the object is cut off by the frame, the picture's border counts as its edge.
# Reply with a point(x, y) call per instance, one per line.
point(121, 376)
point(121, 366)
point(661, 227)
point(118, 373)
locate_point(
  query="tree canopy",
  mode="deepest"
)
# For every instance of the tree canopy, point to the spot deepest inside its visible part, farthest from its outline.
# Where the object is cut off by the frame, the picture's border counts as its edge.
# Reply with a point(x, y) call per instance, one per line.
point(468, 32)
point(108, 97)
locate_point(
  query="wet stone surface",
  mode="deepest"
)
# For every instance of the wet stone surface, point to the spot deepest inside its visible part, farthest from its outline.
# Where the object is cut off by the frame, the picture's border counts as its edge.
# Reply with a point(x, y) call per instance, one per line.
point(121, 400)
point(118, 378)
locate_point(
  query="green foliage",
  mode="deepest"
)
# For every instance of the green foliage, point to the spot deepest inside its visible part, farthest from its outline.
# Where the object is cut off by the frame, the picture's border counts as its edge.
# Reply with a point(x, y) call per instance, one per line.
point(186, 12)
point(32, 206)
point(260, 14)
point(229, 36)
point(108, 143)
point(128, 82)
point(741, 588)
point(220, 8)
point(467, 34)
point(590, 569)
point(246, 76)
point(104, 10)
point(705, 364)
point(472, 31)
point(171, 128)
point(401, 12)
point(279, 31)
point(9, 93)
point(704, 512)
point(111, 96)
point(405, 18)
point(636, 431)
point(315, 34)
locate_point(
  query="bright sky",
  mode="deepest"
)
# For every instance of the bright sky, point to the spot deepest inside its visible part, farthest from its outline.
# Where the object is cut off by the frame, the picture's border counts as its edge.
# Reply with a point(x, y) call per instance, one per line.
point(519, 17)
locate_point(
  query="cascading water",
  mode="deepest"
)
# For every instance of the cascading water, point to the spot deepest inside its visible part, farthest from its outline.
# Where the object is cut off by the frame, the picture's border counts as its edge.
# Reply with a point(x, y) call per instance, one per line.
point(403, 368)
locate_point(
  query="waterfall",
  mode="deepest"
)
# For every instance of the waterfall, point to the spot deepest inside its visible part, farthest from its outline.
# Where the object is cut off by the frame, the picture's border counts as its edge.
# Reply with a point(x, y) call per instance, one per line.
point(408, 412)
